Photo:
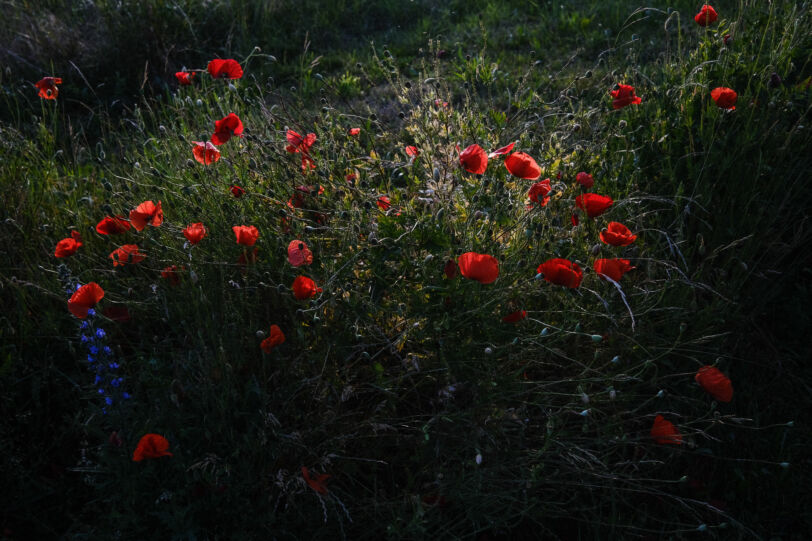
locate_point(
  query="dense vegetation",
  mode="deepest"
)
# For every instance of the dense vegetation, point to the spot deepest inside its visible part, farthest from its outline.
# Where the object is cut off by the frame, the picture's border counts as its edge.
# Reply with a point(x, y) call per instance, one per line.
point(400, 378)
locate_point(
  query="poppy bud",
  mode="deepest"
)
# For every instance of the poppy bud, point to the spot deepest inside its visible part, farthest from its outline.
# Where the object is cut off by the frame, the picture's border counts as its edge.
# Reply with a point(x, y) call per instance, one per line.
point(615, 359)
point(584, 413)
point(784, 465)
point(612, 394)
point(199, 103)
point(260, 334)
point(585, 398)
point(545, 331)
point(596, 338)
point(488, 351)
point(702, 528)
point(621, 124)
point(660, 393)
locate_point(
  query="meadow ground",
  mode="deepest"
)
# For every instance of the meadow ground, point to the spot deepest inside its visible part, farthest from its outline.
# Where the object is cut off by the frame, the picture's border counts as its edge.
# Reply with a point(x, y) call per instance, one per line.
point(311, 294)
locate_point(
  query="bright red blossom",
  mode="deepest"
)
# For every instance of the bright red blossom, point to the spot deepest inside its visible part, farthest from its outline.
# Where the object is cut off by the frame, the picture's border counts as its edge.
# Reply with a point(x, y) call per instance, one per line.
point(225, 128)
point(715, 383)
point(112, 226)
point(612, 268)
point(205, 153)
point(304, 288)
point(707, 15)
point(483, 268)
point(299, 254)
point(523, 166)
point(69, 246)
point(275, 337)
point(85, 298)
point(561, 272)
point(617, 234)
point(227, 68)
point(151, 446)
point(194, 233)
point(355, 132)
point(515, 317)
point(412, 151)
point(664, 432)
point(47, 87)
point(147, 213)
point(585, 179)
point(246, 235)
point(127, 254)
point(724, 97)
point(474, 159)
point(538, 192)
point(184, 77)
point(318, 483)
point(593, 204)
point(623, 96)
point(384, 203)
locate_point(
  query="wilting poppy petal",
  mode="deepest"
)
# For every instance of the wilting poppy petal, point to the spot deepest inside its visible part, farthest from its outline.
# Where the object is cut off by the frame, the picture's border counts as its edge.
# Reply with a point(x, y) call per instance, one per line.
point(304, 288)
point(593, 204)
point(299, 254)
point(228, 126)
point(127, 254)
point(184, 77)
point(450, 269)
point(538, 192)
point(47, 87)
point(384, 203)
point(523, 166)
point(715, 383)
point(502, 151)
point(85, 298)
point(585, 179)
point(147, 213)
point(227, 68)
point(69, 246)
point(474, 160)
point(318, 483)
point(194, 233)
point(112, 225)
point(515, 316)
point(706, 15)
point(623, 96)
point(205, 153)
point(275, 337)
point(561, 272)
point(236, 191)
point(613, 268)
point(617, 234)
point(151, 446)
point(412, 151)
point(246, 235)
point(724, 97)
point(297, 143)
point(664, 432)
point(483, 268)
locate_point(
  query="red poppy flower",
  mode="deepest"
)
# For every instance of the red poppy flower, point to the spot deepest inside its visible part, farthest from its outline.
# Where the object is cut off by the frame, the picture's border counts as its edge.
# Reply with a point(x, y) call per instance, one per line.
point(171, 273)
point(112, 226)
point(227, 68)
point(540, 190)
point(194, 233)
point(299, 254)
point(236, 191)
point(117, 313)
point(304, 288)
point(275, 337)
point(151, 446)
point(593, 204)
point(355, 132)
point(126, 254)
point(318, 483)
point(147, 213)
point(502, 151)
point(184, 77)
point(706, 15)
point(585, 179)
point(228, 126)
point(724, 97)
point(85, 298)
point(350, 177)
point(613, 268)
point(440, 103)
point(617, 234)
point(412, 151)
point(483, 268)
point(623, 96)
point(523, 166)
point(69, 246)
point(47, 87)
point(561, 272)
point(715, 383)
point(474, 160)
point(664, 432)
point(384, 203)
point(246, 235)
point(205, 153)
point(515, 317)
point(297, 143)
point(450, 269)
